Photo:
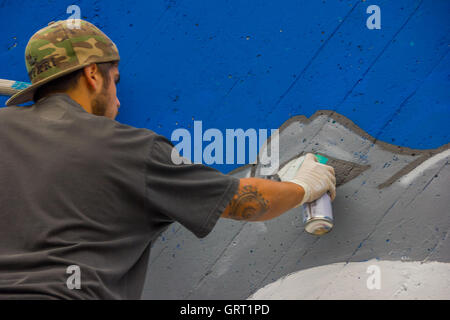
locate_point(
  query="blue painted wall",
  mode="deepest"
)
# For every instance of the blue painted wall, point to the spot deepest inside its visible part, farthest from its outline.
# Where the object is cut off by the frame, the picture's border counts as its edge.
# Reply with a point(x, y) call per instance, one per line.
point(255, 64)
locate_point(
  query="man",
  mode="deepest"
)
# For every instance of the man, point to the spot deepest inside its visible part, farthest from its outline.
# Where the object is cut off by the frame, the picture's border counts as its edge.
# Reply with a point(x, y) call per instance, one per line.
point(83, 196)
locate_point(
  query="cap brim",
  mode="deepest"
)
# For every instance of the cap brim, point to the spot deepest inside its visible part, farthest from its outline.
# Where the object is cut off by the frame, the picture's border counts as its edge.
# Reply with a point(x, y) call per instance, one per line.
point(27, 94)
point(22, 96)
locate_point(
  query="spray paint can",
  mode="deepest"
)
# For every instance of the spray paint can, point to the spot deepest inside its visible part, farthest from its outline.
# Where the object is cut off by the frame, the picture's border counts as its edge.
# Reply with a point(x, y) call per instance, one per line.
point(318, 214)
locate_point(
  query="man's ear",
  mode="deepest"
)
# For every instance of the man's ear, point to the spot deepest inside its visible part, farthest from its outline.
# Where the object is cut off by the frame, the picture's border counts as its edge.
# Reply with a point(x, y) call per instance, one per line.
point(92, 76)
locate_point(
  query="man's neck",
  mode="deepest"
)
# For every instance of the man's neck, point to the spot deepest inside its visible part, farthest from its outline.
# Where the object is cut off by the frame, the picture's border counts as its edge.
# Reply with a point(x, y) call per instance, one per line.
point(81, 99)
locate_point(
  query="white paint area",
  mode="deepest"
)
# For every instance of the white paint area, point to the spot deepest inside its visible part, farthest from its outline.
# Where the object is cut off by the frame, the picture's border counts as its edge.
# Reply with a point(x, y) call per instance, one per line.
point(420, 169)
point(372, 279)
point(289, 170)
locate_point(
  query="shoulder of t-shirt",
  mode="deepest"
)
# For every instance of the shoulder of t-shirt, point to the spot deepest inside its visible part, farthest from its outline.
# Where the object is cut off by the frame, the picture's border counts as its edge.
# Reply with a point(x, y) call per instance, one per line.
point(160, 148)
point(127, 128)
point(158, 143)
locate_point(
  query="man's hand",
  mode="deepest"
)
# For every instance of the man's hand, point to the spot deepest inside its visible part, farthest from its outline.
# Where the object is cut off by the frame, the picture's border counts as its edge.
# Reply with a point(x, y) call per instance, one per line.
point(260, 199)
point(315, 178)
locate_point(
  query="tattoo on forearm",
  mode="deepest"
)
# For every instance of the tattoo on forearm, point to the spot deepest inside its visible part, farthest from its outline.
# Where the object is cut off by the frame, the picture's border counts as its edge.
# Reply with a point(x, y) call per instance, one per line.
point(248, 204)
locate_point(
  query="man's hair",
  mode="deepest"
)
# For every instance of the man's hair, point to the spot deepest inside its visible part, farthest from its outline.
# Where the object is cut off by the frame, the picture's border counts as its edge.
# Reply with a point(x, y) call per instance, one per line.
point(70, 81)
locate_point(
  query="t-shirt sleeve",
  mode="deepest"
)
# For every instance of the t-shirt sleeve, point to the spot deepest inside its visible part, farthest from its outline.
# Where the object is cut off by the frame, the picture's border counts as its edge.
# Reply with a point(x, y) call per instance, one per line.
point(194, 195)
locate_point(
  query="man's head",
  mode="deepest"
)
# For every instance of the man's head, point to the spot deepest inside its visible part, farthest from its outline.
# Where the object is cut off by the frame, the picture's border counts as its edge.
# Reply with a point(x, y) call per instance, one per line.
point(93, 87)
point(106, 103)
point(80, 61)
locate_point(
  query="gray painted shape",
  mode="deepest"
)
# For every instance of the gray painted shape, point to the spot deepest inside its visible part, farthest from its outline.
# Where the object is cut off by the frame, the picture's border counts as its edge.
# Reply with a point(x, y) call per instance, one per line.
point(376, 217)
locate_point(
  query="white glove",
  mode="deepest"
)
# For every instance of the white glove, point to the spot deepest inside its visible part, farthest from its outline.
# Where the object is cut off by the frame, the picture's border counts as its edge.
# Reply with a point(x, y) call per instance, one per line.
point(315, 178)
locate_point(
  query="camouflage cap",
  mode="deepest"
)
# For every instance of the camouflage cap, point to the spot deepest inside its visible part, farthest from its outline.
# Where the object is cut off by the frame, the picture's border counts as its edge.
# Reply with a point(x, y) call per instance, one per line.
point(61, 48)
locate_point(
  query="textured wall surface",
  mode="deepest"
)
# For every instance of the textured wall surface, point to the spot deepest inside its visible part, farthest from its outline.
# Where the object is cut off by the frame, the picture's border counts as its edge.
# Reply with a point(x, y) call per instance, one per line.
point(392, 204)
point(274, 64)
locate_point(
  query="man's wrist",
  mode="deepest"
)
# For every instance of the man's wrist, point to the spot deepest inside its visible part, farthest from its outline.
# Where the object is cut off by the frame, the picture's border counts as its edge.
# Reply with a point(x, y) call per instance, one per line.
point(305, 189)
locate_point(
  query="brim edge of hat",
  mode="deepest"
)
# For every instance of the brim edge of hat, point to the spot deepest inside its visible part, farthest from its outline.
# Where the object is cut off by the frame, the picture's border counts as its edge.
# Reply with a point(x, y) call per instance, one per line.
point(27, 94)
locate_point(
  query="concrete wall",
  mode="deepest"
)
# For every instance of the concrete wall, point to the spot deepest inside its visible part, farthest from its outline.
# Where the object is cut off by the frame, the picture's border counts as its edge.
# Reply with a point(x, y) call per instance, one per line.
point(392, 208)
point(269, 64)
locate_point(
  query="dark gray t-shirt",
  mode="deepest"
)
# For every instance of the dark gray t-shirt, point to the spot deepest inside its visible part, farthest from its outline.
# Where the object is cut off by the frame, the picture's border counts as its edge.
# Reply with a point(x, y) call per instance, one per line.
point(83, 190)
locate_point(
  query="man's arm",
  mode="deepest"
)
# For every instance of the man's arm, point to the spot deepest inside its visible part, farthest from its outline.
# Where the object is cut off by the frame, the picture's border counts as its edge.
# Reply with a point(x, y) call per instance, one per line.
point(260, 199)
